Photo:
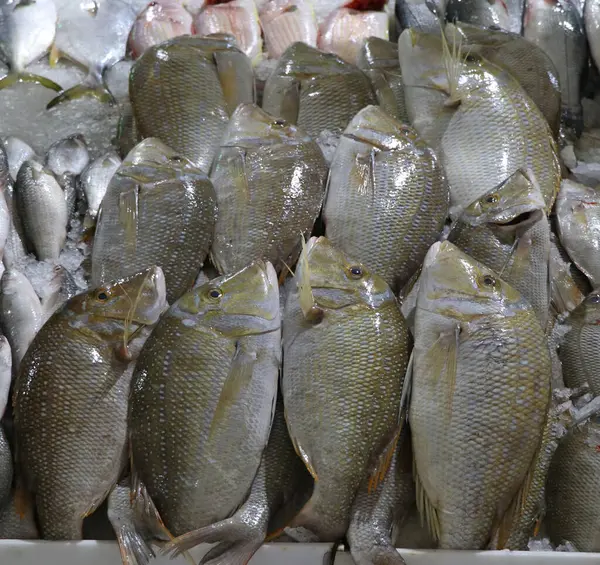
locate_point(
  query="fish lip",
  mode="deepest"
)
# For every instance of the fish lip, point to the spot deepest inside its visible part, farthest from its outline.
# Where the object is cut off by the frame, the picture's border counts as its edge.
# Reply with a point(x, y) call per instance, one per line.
point(521, 222)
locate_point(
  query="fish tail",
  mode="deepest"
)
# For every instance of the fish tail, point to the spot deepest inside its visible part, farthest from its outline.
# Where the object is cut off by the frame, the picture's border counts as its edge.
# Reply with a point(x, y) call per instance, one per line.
point(134, 549)
point(99, 92)
point(14, 78)
point(319, 517)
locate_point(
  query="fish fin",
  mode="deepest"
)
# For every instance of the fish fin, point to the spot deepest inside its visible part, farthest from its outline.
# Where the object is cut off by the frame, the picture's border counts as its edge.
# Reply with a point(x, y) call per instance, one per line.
point(79, 91)
point(427, 511)
point(236, 89)
point(22, 500)
point(240, 375)
point(128, 216)
point(300, 452)
point(406, 391)
point(452, 58)
point(384, 462)
point(308, 305)
point(14, 78)
point(364, 171)
point(288, 100)
point(134, 550)
point(54, 55)
point(442, 359)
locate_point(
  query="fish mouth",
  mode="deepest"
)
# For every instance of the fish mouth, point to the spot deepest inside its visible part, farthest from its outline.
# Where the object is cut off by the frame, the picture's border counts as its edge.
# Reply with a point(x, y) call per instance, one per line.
point(521, 222)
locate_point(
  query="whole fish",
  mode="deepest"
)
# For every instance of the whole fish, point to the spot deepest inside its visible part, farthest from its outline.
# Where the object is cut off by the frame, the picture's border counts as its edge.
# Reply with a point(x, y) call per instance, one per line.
point(93, 34)
point(285, 22)
point(573, 513)
point(315, 90)
point(378, 59)
point(198, 82)
point(558, 28)
point(61, 287)
point(5, 220)
point(344, 31)
point(27, 31)
point(71, 396)
point(480, 398)
point(422, 15)
point(346, 347)
point(21, 313)
point(236, 17)
point(527, 62)
point(94, 182)
point(487, 13)
point(17, 152)
point(42, 207)
point(203, 398)
point(476, 115)
point(155, 213)
point(568, 285)
point(386, 197)
point(281, 482)
point(14, 247)
point(591, 16)
point(69, 155)
point(507, 230)
point(578, 213)
point(160, 21)
point(269, 177)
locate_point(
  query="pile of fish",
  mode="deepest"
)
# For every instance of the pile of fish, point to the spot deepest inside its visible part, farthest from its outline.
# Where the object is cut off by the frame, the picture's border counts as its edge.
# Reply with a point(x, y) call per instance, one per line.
point(323, 286)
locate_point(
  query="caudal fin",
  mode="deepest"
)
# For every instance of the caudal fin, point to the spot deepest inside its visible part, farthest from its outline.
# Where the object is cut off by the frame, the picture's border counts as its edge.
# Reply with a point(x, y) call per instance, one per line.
point(14, 78)
point(99, 92)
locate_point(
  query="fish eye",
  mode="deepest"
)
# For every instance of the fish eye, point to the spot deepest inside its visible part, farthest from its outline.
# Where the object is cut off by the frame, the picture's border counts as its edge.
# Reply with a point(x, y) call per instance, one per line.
point(215, 293)
point(102, 296)
point(177, 159)
point(488, 280)
point(595, 299)
point(355, 271)
point(491, 198)
point(279, 123)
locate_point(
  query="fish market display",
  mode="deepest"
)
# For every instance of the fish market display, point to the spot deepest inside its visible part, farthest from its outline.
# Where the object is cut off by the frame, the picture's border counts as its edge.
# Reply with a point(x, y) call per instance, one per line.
point(386, 197)
point(345, 347)
point(198, 83)
point(269, 178)
point(71, 399)
point(155, 213)
point(225, 335)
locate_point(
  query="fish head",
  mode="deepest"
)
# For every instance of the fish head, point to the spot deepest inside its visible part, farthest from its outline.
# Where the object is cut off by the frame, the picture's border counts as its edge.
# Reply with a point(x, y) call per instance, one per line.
point(378, 53)
point(455, 285)
point(327, 278)
point(150, 149)
point(590, 309)
point(302, 60)
point(244, 303)
point(373, 126)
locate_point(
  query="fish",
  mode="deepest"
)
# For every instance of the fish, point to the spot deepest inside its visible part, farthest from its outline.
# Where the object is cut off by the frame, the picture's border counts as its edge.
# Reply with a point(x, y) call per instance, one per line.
point(591, 20)
point(315, 90)
point(572, 512)
point(527, 62)
point(17, 152)
point(68, 183)
point(345, 348)
point(269, 178)
point(4, 168)
point(386, 197)
point(482, 370)
point(13, 523)
point(94, 34)
point(496, 14)
point(557, 27)
point(43, 210)
point(344, 31)
point(5, 221)
point(155, 213)
point(577, 212)
point(238, 18)
point(69, 155)
point(6, 465)
point(207, 376)
point(285, 22)
point(61, 288)
point(6, 469)
point(421, 15)
point(198, 82)
point(378, 59)
point(5, 373)
point(14, 247)
point(94, 181)
point(27, 30)
point(507, 230)
point(280, 486)
point(160, 21)
point(21, 313)
point(71, 399)
point(466, 106)
point(375, 513)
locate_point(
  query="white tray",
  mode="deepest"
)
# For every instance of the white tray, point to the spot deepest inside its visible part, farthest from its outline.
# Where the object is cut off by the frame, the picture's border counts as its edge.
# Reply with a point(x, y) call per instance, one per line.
point(107, 553)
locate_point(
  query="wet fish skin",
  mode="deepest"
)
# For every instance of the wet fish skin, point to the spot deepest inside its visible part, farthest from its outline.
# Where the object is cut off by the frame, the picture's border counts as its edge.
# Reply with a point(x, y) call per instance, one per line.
point(17, 152)
point(21, 313)
point(507, 230)
point(155, 213)
point(61, 288)
point(14, 247)
point(69, 155)
point(572, 511)
point(196, 80)
point(417, 14)
point(577, 212)
point(71, 396)
point(226, 334)
point(6, 460)
point(281, 171)
point(43, 209)
point(349, 349)
point(386, 198)
point(316, 91)
point(467, 319)
point(558, 28)
point(378, 59)
point(497, 14)
point(94, 181)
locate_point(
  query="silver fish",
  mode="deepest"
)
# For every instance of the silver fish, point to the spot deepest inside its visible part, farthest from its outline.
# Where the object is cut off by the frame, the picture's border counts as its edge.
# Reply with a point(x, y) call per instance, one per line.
point(423, 15)
point(487, 13)
point(94, 181)
point(69, 155)
point(17, 152)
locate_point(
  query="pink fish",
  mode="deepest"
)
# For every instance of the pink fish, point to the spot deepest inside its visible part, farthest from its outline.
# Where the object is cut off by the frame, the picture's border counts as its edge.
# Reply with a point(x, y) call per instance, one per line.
point(286, 21)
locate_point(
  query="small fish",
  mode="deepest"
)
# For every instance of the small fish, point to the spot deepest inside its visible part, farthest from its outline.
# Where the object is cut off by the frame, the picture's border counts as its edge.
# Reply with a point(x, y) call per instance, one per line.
point(285, 22)
point(69, 155)
point(238, 18)
point(17, 152)
point(14, 247)
point(43, 210)
point(61, 287)
point(160, 21)
point(94, 181)
point(71, 399)
point(21, 313)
